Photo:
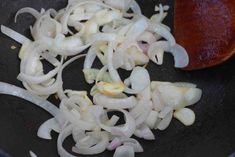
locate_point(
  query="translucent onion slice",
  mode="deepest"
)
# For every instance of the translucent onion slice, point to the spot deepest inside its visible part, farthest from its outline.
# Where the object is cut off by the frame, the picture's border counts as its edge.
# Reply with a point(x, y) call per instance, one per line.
point(121, 4)
point(165, 111)
point(134, 32)
point(165, 122)
point(78, 133)
point(62, 136)
point(45, 129)
point(135, 7)
point(159, 29)
point(124, 150)
point(118, 141)
point(139, 80)
point(86, 142)
point(114, 103)
point(8, 89)
point(158, 103)
point(185, 116)
point(29, 10)
point(185, 84)
point(152, 119)
point(37, 79)
point(32, 154)
point(125, 130)
point(13, 34)
point(193, 95)
point(144, 132)
point(146, 107)
point(180, 54)
point(90, 58)
point(99, 147)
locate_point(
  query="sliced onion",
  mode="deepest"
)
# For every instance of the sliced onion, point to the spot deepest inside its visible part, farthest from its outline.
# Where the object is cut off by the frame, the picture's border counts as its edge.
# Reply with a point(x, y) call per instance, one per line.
point(185, 84)
point(172, 96)
point(125, 150)
point(50, 58)
point(121, 4)
point(185, 116)
point(126, 130)
point(38, 79)
point(117, 38)
point(85, 143)
point(74, 117)
point(68, 46)
point(59, 76)
point(90, 58)
point(113, 121)
point(158, 103)
point(96, 149)
point(152, 119)
point(139, 78)
point(118, 141)
point(145, 94)
point(78, 133)
point(135, 7)
point(45, 129)
point(138, 109)
point(159, 29)
point(135, 31)
point(192, 96)
point(19, 92)
point(62, 136)
point(13, 34)
point(147, 37)
point(165, 111)
point(29, 10)
point(32, 154)
point(180, 54)
point(146, 107)
point(165, 122)
point(112, 71)
point(144, 132)
point(114, 103)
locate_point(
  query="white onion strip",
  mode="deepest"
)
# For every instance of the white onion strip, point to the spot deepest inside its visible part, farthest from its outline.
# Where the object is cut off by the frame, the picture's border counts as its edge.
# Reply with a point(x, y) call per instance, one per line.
point(8, 89)
point(31, 11)
point(45, 129)
point(13, 34)
point(126, 130)
point(114, 103)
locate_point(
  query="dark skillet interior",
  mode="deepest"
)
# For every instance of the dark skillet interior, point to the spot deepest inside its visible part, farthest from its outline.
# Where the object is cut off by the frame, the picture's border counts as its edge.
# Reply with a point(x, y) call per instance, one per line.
point(212, 135)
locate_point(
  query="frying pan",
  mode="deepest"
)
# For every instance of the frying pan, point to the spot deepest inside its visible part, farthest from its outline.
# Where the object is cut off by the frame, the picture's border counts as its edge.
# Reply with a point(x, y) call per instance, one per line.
point(212, 135)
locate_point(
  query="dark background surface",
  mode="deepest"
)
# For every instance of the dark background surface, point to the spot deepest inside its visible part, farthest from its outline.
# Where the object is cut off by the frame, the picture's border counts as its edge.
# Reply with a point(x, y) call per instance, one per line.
point(212, 135)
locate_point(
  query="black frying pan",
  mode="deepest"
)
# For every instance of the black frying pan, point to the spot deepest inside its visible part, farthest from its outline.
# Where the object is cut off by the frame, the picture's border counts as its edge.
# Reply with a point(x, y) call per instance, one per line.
point(212, 135)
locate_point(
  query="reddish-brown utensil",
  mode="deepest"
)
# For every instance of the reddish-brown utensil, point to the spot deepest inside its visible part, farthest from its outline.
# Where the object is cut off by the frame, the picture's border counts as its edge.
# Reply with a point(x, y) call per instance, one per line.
point(206, 28)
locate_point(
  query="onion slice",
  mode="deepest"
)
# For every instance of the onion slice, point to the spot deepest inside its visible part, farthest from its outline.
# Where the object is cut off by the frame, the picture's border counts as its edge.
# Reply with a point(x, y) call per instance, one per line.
point(45, 129)
point(8, 89)
point(114, 103)
point(127, 130)
point(125, 150)
point(97, 148)
point(181, 57)
point(13, 34)
point(29, 10)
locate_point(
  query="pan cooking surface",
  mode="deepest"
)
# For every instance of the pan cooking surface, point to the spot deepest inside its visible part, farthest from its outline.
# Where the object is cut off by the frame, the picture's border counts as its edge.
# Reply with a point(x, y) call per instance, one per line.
point(213, 133)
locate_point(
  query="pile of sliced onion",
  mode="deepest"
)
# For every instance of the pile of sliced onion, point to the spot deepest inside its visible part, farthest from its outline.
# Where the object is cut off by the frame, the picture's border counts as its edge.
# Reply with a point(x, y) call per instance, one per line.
point(119, 39)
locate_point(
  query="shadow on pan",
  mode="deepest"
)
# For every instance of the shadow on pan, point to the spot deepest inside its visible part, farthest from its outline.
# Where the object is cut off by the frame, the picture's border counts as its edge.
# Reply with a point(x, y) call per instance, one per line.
point(213, 133)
